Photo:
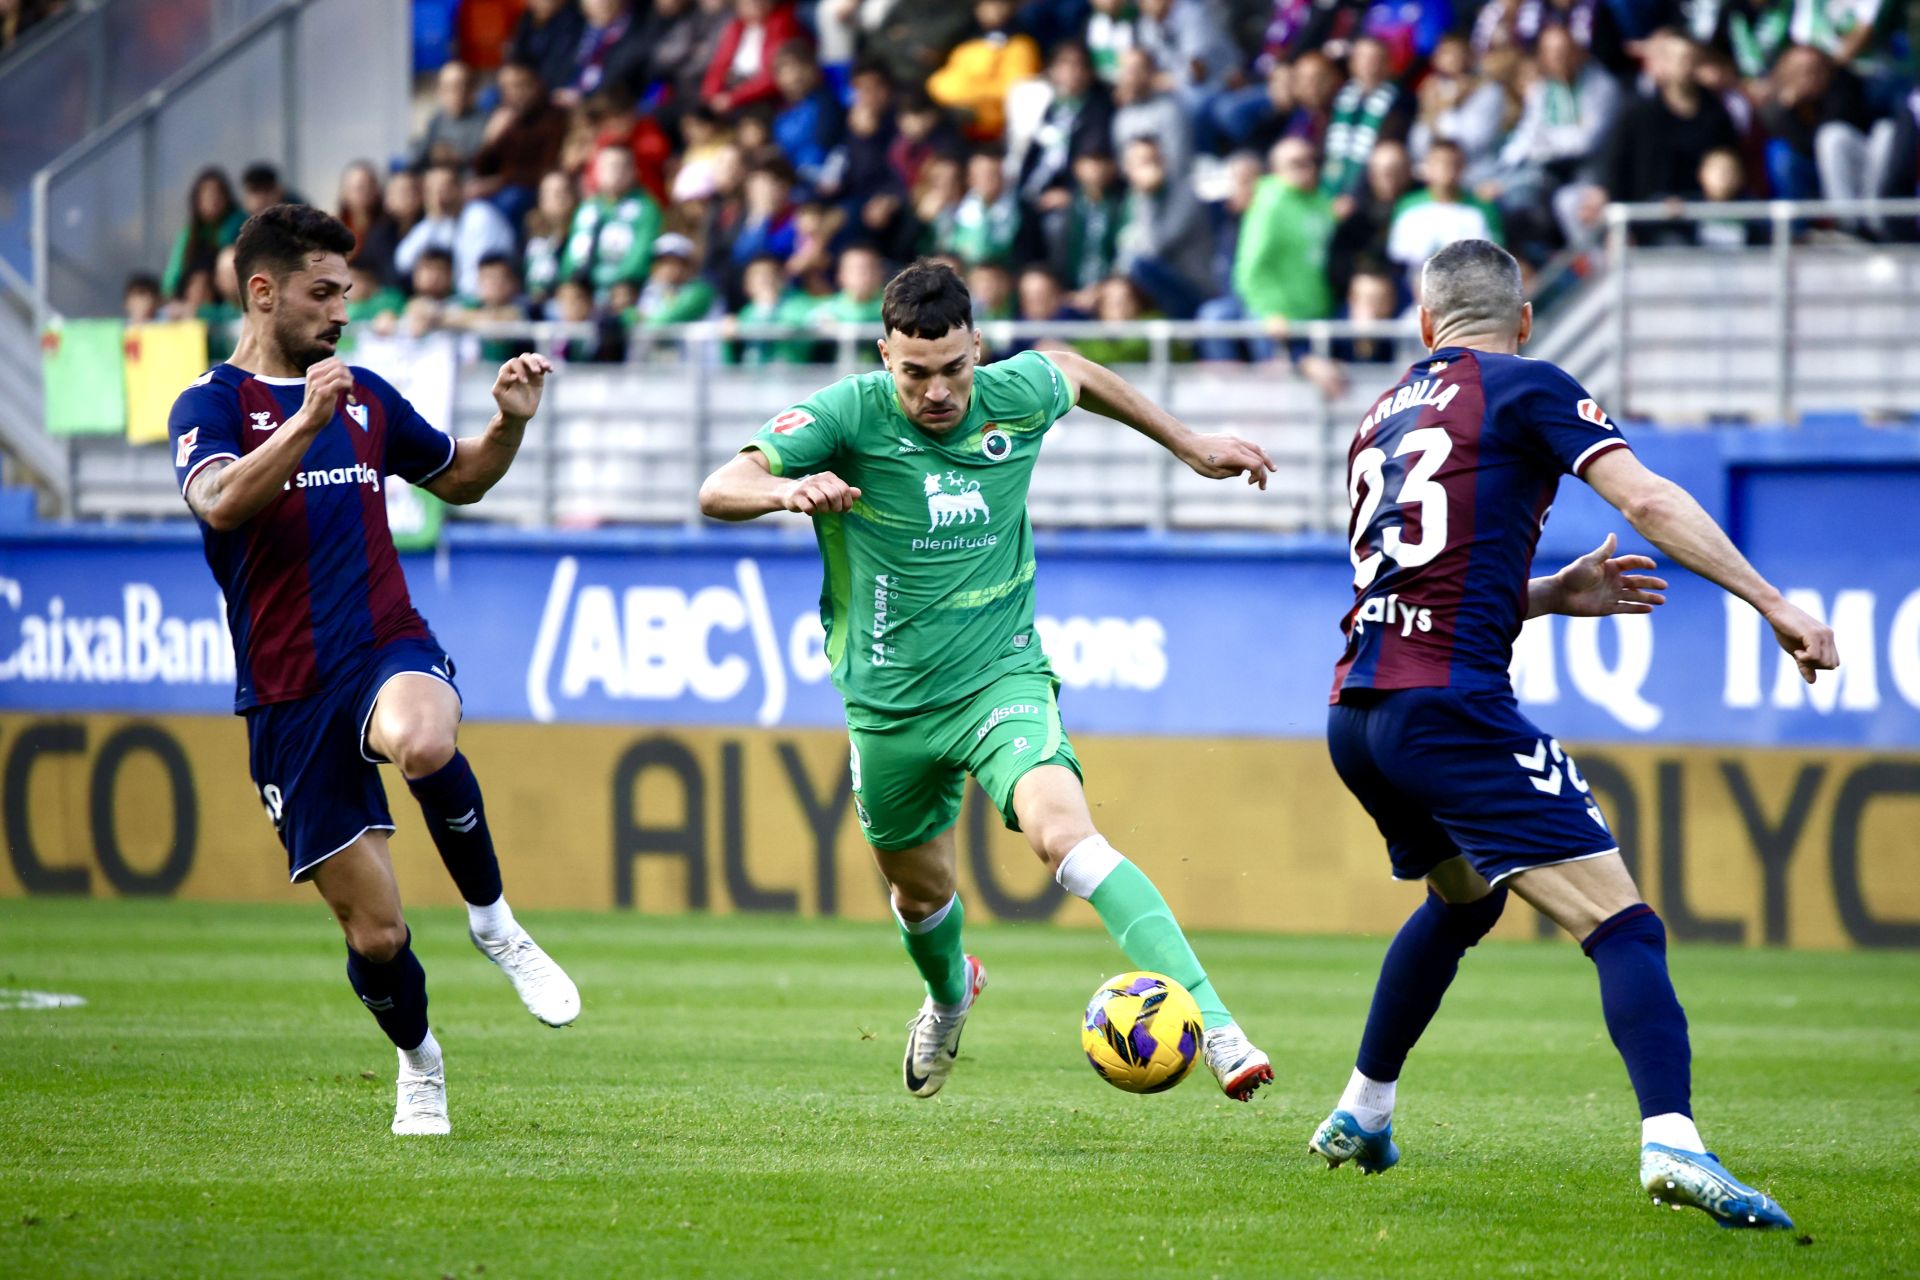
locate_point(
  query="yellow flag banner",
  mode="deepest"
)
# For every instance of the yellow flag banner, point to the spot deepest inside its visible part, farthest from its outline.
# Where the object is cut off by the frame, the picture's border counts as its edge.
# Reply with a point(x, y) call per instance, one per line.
point(161, 360)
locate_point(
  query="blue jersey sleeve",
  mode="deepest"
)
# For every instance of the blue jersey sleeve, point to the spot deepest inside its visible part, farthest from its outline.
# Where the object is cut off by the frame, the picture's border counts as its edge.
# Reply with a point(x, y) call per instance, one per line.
point(1557, 412)
point(417, 451)
point(203, 428)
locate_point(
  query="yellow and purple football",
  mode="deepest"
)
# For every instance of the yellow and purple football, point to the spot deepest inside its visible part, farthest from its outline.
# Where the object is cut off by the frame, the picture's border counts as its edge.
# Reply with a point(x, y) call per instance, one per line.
point(1141, 1032)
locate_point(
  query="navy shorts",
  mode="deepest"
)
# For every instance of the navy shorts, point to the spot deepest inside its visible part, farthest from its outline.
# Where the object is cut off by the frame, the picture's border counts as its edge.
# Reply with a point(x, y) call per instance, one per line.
point(1446, 773)
point(317, 776)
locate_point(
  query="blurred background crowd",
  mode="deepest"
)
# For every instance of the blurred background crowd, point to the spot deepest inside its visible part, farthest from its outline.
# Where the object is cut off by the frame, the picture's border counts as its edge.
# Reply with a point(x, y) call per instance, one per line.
point(17, 17)
point(633, 164)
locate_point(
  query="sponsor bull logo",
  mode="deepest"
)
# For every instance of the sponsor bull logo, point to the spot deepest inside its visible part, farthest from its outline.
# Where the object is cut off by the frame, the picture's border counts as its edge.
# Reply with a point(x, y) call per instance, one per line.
point(952, 500)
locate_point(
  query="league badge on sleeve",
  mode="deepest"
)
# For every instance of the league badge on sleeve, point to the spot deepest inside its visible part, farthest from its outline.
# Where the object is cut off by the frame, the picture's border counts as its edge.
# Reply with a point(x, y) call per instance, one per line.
point(790, 421)
point(183, 454)
point(1590, 411)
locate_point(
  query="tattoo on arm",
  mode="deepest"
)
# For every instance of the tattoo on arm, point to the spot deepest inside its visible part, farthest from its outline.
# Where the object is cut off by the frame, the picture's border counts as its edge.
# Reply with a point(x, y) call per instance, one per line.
point(204, 493)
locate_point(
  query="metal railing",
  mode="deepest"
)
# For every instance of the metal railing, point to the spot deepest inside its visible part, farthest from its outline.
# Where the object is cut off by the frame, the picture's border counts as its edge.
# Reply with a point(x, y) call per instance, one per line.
point(111, 203)
point(1682, 334)
point(629, 442)
point(1813, 318)
point(26, 450)
point(83, 67)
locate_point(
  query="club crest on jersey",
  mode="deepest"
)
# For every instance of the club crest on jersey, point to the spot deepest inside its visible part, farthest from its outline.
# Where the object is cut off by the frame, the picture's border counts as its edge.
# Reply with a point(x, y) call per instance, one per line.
point(358, 412)
point(996, 444)
point(1590, 411)
point(953, 500)
point(790, 421)
point(263, 420)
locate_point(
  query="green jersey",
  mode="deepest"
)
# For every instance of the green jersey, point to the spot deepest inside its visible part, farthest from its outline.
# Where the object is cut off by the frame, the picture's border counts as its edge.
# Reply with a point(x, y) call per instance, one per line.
point(928, 594)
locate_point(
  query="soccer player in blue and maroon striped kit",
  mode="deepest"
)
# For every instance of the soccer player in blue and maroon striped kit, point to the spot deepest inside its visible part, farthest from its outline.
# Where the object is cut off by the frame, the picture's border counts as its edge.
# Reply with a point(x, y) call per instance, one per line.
point(282, 454)
point(1450, 477)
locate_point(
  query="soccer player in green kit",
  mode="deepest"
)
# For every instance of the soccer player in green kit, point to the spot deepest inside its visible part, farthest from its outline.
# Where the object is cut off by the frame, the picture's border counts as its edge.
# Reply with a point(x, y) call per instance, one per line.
point(916, 478)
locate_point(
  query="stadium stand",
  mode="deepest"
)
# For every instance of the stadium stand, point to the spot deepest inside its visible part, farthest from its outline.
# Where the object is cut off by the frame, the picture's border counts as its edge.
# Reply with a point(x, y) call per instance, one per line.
point(1239, 188)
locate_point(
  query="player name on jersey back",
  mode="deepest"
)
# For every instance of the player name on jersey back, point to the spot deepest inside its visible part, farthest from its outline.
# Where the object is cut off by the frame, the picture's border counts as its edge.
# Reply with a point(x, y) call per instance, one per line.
point(1449, 479)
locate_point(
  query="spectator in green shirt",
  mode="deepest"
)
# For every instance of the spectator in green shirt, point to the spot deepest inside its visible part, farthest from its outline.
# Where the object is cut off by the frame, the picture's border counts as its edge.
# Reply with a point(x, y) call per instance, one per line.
point(498, 302)
point(1083, 228)
point(1280, 263)
point(214, 219)
point(548, 226)
point(1120, 301)
point(613, 232)
point(675, 292)
point(1430, 219)
point(769, 302)
point(988, 219)
point(222, 311)
point(991, 286)
point(863, 278)
point(372, 307)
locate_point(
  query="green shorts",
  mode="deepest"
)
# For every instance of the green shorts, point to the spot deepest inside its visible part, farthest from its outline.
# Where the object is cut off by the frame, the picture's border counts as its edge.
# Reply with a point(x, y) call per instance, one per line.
point(910, 772)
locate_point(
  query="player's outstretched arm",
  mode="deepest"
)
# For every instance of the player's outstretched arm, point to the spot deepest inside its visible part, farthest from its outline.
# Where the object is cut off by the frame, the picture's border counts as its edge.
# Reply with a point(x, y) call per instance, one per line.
point(479, 461)
point(1667, 516)
point(744, 488)
point(228, 494)
point(1100, 390)
point(1597, 584)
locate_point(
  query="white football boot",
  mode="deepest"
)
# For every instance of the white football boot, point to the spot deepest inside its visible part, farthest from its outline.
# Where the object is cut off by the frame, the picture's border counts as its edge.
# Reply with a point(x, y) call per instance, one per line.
point(422, 1104)
point(1236, 1064)
point(544, 986)
point(933, 1038)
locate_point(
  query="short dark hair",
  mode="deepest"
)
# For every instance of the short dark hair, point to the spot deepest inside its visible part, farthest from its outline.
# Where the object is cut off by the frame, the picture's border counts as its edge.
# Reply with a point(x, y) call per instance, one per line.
point(926, 300)
point(773, 165)
point(434, 253)
point(259, 177)
point(141, 282)
point(496, 260)
point(1472, 286)
point(278, 239)
point(797, 49)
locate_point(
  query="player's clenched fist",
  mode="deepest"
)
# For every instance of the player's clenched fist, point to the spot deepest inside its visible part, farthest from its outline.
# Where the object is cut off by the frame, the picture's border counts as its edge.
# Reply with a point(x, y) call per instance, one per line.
point(517, 389)
point(824, 491)
point(1808, 639)
point(327, 381)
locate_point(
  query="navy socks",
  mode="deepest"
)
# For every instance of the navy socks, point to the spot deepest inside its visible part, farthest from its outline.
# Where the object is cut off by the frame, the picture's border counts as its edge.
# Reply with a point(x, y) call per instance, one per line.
point(1644, 1017)
point(394, 992)
point(1416, 974)
point(457, 821)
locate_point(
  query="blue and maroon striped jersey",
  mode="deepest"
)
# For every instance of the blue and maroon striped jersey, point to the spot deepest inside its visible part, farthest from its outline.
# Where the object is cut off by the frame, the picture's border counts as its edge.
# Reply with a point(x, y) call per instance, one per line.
point(1450, 477)
point(311, 582)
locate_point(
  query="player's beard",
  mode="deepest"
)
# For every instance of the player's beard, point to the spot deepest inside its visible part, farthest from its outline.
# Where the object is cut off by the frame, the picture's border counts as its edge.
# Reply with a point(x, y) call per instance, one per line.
point(301, 345)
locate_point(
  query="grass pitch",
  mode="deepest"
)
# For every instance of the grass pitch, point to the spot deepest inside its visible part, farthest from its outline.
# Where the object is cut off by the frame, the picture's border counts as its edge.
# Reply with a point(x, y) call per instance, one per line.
point(729, 1105)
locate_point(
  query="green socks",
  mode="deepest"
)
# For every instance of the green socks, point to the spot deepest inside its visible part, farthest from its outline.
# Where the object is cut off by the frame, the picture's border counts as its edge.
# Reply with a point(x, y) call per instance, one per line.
point(1139, 920)
point(935, 948)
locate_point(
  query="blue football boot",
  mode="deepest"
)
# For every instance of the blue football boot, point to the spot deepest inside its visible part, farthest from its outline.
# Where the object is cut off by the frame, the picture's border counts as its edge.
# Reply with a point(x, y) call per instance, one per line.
point(1340, 1139)
point(1697, 1179)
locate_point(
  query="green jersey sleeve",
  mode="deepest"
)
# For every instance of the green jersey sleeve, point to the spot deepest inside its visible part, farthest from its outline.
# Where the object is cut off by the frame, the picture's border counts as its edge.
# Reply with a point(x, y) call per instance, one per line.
point(808, 436)
point(1052, 393)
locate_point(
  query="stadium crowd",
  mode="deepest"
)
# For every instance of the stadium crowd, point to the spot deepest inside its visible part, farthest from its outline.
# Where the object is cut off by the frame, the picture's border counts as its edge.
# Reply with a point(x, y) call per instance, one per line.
point(637, 163)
